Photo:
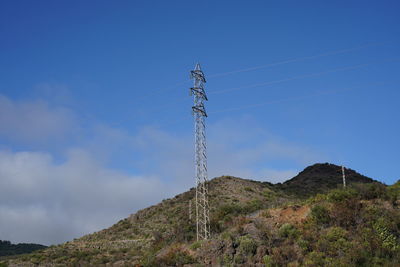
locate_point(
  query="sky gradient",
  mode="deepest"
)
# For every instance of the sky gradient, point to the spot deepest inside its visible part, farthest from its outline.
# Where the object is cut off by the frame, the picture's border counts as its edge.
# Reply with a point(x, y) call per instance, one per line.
point(95, 112)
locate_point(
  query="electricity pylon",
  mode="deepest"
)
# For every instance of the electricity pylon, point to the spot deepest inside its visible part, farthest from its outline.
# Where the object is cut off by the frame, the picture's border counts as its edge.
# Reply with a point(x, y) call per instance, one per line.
point(344, 177)
point(199, 113)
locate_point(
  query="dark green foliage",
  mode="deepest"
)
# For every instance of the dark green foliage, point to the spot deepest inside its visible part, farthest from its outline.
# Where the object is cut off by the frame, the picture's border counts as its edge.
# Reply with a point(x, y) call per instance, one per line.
point(362, 229)
point(320, 214)
point(267, 260)
point(252, 206)
point(393, 192)
point(247, 245)
point(338, 195)
point(372, 191)
point(287, 230)
point(223, 216)
point(6, 248)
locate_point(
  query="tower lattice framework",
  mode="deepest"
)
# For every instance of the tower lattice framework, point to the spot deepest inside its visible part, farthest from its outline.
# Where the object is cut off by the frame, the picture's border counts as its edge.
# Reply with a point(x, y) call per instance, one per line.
point(199, 113)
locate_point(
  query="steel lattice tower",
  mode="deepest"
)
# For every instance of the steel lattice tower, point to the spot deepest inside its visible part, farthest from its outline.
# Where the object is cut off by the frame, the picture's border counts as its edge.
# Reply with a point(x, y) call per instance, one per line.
point(343, 176)
point(199, 113)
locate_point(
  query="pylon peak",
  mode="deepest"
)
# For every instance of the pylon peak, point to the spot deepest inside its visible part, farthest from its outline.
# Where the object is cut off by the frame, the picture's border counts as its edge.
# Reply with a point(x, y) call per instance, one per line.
point(197, 67)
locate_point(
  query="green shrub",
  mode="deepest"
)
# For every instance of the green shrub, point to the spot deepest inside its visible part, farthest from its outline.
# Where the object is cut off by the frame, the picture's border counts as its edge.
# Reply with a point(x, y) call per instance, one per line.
point(303, 244)
point(269, 195)
point(389, 240)
point(287, 230)
point(336, 233)
point(195, 245)
point(248, 189)
point(267, 261)
point(247, 245)
point(252, 206)
point(227, 209)
point(104, 259)
point(239, 258)
point(320, 214)
point(337, 195)
point(284, 255)
point(314, 258)
point(176, 256)
point(372, 191)
point(393, 191)
point(224, 214)
point(227, 260)
point(315, 199)
point(334, 242)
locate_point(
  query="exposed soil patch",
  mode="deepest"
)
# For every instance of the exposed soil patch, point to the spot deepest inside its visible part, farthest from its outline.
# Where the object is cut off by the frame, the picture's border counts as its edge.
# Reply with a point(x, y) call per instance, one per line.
point(294, 214)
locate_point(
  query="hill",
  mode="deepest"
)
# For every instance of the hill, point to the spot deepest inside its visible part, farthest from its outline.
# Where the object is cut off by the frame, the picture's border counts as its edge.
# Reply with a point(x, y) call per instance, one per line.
point(253, 224)
point(7, 249)
point(320, 178)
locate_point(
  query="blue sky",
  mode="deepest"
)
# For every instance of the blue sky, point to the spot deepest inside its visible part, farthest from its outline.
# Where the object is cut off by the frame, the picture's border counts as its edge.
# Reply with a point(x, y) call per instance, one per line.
point(94, 103)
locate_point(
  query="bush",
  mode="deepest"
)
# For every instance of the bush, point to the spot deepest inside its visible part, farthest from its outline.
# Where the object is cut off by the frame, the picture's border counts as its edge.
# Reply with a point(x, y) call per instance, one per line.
point(285, 255)
point(267, 261)
point(176, 256)
point(247, 245)
point(393, 192)
point(320, 214)
point(225, 213)
point(269, 195)
point(336, 233)
point(195, 245)
point(372, 191)
point(316, 199)
point(287, 230)
point(252, 206)
point(314, 259)
point(334, 243)
point(389, 240)
point(248, 189)
point(228, 209)
point(303, 244)
point(346, 214)
point(338, 195)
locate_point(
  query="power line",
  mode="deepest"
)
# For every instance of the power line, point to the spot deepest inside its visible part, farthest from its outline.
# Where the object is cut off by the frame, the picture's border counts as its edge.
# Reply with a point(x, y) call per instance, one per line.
point(301, 76)
point(292, 98)
point(161, 108)
point(335, 52)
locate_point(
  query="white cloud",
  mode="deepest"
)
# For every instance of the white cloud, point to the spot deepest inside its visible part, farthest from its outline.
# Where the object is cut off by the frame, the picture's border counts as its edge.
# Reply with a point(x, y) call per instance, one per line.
point(34, 121)
point(45, 202)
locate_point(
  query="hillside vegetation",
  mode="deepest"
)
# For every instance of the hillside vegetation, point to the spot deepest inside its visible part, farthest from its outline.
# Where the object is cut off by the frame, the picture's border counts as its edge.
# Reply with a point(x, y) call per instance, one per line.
point(310, 220)
point(7, 249)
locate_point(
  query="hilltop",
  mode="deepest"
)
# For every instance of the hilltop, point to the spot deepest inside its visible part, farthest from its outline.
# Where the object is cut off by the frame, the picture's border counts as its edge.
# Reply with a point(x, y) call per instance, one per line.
point(320, 178)
point(309, 220)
